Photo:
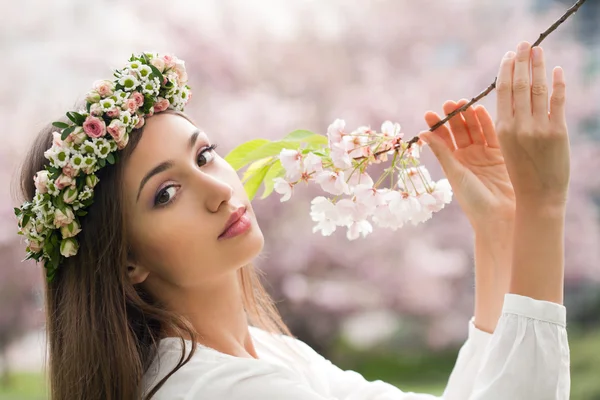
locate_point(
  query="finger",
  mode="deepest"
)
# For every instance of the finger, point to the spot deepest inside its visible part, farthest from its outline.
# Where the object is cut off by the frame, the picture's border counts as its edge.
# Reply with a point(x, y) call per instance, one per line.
point(431, 118)
point(504, 102)
point(521, 82)
point(443, 153)
point(473, 126)
point(458, 125)
point(487, 126)
point(557, 99)
point(539, 87)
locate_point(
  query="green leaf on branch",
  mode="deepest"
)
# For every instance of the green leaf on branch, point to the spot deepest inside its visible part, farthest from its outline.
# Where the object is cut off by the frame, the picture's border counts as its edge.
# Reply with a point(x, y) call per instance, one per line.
point(307, 137)
point(272, 149)
point(237, 157)
point(253, 183)
point(255, 167)
point(276, 171)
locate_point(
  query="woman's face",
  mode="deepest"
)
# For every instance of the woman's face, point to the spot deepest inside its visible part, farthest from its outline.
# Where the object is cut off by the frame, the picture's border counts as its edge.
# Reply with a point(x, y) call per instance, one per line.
point(179, 196)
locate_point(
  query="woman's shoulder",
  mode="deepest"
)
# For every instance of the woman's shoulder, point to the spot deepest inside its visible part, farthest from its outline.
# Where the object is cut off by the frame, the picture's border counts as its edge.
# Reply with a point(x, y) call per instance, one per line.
point(215, 374)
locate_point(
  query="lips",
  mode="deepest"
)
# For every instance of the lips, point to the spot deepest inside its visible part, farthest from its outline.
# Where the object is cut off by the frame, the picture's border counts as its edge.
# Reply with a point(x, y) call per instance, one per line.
point(235, 216)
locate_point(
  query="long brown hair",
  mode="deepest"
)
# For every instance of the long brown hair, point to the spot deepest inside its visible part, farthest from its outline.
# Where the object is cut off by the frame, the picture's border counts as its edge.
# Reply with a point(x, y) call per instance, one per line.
point(102, 331)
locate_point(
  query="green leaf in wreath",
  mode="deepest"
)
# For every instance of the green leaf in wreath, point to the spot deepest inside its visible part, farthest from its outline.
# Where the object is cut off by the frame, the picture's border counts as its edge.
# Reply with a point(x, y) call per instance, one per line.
point(110, 158)
point(66, 132)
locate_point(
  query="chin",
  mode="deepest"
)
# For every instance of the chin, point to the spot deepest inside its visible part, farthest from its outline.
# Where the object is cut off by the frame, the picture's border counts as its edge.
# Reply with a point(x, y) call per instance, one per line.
point(249, 245)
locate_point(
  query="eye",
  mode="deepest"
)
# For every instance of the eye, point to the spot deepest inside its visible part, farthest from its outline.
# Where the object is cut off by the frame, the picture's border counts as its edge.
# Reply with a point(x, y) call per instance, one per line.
point(206, 156)
point(165, 195)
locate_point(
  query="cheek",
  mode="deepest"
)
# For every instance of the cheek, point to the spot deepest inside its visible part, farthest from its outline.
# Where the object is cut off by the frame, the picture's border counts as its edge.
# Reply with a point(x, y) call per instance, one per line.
point(177, 243)
point(232, 178)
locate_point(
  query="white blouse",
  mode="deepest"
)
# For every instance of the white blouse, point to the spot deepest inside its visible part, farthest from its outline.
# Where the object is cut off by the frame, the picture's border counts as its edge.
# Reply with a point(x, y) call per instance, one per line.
point(527, 357)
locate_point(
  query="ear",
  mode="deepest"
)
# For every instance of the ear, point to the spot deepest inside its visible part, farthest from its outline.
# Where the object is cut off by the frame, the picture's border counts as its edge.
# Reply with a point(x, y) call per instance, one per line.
point(136, 273)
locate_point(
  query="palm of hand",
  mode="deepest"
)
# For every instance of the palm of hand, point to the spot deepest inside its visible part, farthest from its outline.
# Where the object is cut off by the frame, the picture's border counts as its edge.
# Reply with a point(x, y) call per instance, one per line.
point(484, 186)
point(473, 162)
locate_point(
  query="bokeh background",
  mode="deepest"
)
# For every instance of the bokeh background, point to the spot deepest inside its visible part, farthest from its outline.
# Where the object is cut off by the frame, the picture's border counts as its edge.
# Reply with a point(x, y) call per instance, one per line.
point(393, 306)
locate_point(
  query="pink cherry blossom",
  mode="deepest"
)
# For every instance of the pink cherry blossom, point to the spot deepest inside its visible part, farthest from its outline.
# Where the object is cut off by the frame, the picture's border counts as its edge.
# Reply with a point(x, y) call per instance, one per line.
point(284, 188)
point(335, 131)
point(291, 161)
point(332, 182)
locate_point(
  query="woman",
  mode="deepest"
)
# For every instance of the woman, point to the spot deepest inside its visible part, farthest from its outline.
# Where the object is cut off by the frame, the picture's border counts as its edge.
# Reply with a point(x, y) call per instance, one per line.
point(157, 297)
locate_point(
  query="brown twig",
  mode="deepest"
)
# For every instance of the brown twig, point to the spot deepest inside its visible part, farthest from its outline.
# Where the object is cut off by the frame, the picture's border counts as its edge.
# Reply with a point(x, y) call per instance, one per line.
point(492, 86)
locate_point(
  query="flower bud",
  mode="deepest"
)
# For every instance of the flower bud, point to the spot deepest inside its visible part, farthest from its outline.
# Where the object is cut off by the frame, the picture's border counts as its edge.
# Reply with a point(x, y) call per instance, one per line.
point(70, 230)
point(69, 247)
point(91, 180)
point(70, 195)
point(92, 97)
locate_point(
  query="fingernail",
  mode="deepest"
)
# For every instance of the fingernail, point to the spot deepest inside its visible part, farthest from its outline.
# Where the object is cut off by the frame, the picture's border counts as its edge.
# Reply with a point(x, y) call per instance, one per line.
point(523, 46)
point(537, 54)
point(509, 55)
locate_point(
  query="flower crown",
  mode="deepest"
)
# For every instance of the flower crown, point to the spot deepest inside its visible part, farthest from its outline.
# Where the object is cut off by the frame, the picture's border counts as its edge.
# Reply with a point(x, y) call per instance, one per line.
point(148, 84)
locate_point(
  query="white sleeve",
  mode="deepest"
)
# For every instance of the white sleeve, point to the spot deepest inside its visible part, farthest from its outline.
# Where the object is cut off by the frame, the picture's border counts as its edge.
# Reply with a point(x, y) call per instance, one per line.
point(527, 357)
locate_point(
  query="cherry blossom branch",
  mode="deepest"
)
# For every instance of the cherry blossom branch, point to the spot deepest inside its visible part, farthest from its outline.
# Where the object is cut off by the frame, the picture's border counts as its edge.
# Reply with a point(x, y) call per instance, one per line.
point(492, 86)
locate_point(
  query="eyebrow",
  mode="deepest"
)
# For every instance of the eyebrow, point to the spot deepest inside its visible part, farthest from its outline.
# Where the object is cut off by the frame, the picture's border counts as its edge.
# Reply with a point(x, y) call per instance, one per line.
point(163, 166)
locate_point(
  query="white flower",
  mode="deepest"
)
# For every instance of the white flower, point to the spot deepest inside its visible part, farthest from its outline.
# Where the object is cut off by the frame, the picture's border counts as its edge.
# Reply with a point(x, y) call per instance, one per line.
point(391, 130)
point(52, 189)
point(102, 147)
point(427, 203)
point(356, 178)
point(335, 131)
point(58, 156)
point(355, 144)
point(324, 212)
point(88, 147)
point(119, 97)
point(150, 87)
point(357, 228)
point(68, 247)
point(291, 161)
point(125, 118)
point(89, 164)
point(442, 192)
point(332, 182)
point(144, 72)
point(339, 156)
point(85, 194)
point(415, 180)
point(134, 65)
point(129, 82)
point(369, 196)
point(107, 104)
point(77, 160)
point(312, 163)
point(283, 187)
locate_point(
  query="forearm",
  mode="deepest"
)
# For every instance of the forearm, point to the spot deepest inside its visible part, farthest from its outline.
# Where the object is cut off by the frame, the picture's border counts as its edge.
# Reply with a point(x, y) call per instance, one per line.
point(538, 259)
point(493, 256)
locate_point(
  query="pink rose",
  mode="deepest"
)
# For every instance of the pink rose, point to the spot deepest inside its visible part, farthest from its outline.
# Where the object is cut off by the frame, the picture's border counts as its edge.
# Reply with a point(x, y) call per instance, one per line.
point(181, 72)
point(138, 97)
point(63, 181)
point(116, 129)
point(94, 127)
point(69, 170)
point(63, 218)
point(130, 105)
point(169, 61)
point(78, 136)
point(41, 181)
point(122, 142)
point(140, 123)
point(113, 112)
point(35, 246)
point(161, 105)
point(56, 140)
point(96, 110)
point(104, 87)
point(159, 63)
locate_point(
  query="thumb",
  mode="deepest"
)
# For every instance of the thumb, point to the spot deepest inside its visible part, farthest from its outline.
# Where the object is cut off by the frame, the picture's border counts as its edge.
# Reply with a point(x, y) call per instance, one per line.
point(442, 152)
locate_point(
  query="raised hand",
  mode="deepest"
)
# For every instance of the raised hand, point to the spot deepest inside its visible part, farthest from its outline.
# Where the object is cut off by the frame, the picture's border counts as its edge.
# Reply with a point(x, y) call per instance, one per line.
point(534, 138)
point(470, 155)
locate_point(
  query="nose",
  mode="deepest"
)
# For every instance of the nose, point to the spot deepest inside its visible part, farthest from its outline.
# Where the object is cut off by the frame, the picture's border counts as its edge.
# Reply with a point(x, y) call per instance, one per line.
point(217, 191)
